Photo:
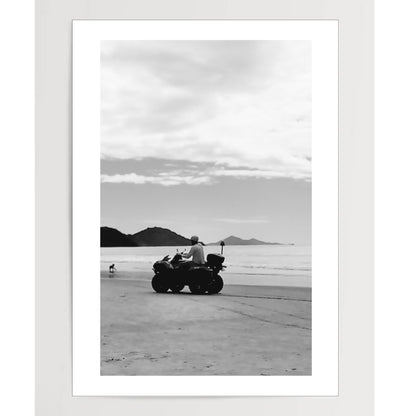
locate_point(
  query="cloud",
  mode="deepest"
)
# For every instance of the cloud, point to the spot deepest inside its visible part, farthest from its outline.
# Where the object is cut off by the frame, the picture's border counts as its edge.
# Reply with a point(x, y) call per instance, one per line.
point(163, 180)
point(243, 104)
point(198, 175)
point(165, 173)
point(242, 221)
point(261, 173)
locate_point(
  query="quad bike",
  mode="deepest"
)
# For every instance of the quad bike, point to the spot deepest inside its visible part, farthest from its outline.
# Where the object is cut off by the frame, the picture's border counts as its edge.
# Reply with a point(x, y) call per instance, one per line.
point(174, 274)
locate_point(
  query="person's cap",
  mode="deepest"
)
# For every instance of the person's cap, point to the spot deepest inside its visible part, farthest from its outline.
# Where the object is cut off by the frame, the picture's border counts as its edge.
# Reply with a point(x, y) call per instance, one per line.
point(194, 238)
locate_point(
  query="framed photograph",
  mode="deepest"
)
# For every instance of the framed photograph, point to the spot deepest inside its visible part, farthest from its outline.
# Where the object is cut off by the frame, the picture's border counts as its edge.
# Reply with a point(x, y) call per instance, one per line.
point(206, 230)
point(205, 176)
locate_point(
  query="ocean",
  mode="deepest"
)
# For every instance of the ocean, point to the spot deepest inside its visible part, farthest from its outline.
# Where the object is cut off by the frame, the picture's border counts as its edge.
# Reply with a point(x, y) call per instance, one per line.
point(266, 265)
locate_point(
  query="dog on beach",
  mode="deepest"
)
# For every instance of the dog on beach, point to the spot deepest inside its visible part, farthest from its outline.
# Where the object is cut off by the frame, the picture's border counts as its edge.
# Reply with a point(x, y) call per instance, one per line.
point(112, 268)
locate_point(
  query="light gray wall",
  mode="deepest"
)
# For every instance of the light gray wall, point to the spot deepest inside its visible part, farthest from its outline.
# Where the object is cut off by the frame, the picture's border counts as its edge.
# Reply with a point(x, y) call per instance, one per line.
point(53, 204)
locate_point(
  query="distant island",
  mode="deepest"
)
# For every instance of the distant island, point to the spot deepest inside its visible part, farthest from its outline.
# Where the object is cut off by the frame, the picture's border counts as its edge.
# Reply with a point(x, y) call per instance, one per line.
point(150, 237)
point(236, 241)
point(161, 237)
point(110, 237)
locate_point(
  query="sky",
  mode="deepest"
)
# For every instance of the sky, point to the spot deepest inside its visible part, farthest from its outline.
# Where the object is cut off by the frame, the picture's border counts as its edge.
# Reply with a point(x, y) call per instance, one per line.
point(207, 137)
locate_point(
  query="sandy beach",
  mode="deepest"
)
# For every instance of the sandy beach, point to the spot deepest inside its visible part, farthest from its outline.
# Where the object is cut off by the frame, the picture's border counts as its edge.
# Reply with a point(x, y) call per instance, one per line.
point(244, 330)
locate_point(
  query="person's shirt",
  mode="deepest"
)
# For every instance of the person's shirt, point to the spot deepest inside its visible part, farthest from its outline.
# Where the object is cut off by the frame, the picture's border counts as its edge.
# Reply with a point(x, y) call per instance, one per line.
point(197, 254)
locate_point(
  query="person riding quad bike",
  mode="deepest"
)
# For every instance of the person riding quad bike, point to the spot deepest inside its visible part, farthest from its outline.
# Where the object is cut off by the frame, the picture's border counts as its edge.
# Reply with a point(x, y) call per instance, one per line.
point(196, 252)
point(201, 277)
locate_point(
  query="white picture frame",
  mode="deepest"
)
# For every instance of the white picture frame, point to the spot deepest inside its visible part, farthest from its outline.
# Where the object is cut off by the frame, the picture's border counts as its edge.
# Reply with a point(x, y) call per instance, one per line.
point(87, 38)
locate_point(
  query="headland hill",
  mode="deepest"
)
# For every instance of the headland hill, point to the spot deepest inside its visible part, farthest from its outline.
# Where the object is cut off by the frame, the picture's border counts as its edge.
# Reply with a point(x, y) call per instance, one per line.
point(161, 237)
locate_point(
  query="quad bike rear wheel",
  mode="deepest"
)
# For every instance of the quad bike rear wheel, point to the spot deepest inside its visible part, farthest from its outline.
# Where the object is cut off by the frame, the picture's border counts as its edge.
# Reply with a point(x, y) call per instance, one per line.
point(215, 285)
point(197, 288)
point(159, 284)
point(200, 279)
point(176, 287)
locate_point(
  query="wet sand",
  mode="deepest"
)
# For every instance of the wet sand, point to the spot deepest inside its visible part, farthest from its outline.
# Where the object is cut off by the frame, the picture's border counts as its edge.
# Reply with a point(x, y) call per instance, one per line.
point(244, 330)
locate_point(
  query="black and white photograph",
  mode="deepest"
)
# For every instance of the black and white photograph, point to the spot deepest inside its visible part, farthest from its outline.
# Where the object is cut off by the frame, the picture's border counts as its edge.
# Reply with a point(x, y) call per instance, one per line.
point(206, 207)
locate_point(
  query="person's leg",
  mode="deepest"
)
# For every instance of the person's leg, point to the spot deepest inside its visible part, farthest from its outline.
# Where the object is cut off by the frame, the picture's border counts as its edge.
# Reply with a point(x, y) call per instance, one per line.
point(186, 266)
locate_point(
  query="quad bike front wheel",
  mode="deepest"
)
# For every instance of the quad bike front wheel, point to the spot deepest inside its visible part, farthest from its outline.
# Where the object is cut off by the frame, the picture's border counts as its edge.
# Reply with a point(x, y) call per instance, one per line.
point(159, 284)
point(215, 285)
